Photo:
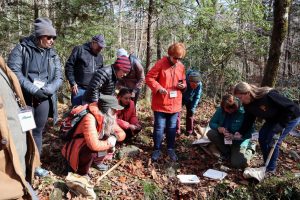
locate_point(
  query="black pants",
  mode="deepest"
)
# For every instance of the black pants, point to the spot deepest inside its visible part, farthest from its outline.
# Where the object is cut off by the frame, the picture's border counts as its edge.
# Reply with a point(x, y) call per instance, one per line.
point(40, 113)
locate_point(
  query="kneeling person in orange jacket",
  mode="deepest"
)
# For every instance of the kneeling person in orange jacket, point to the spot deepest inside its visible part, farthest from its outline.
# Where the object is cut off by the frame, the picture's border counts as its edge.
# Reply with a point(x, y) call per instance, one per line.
point(96, 134)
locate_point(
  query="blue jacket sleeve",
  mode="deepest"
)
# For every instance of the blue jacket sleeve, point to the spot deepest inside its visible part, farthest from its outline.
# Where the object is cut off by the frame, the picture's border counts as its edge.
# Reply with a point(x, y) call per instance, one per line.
point(57, 78)
point(16, 64)
point(197, 96)
point(215, 121)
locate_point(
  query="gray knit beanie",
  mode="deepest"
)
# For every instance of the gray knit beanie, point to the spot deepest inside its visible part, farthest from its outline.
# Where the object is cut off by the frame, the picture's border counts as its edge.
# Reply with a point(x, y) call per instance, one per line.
point(194, 76)
point(43, 26)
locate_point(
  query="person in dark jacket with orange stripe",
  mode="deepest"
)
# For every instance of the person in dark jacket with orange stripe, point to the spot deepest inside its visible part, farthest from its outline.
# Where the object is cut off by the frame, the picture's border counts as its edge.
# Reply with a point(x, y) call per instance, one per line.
point(281, 115)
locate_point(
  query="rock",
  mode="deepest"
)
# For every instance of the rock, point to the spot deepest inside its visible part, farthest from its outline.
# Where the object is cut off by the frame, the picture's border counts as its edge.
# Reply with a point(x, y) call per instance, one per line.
point(144, 139)
point(130, 150)
point(294, 155)
point(56, 194)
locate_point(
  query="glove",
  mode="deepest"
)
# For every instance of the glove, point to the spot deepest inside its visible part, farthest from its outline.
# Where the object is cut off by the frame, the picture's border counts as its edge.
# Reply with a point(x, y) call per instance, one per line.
point(111, 140)
point(40, 95)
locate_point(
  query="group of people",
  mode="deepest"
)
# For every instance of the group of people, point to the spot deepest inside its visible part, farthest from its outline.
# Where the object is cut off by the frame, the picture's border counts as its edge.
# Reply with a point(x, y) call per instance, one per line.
point(34, 70)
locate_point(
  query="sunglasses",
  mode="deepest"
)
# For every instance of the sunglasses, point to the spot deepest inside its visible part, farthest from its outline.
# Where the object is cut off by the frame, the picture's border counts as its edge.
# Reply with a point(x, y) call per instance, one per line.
point(51, 37)
point(177, 58)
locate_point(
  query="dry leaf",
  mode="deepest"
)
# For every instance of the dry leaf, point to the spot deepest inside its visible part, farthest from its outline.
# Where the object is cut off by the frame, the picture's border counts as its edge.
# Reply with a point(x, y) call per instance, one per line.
point(153, 174)
point(122, 179)
point(124, 187)
point(139, 164)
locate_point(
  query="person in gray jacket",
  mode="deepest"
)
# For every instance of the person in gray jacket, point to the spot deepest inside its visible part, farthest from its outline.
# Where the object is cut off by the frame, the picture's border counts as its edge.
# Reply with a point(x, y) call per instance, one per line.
point(38, 69)
point(81, 65)
point(135, 78)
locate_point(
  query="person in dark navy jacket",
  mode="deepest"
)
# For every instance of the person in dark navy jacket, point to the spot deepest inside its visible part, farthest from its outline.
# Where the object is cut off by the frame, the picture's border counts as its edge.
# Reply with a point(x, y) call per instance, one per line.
point(281, 115)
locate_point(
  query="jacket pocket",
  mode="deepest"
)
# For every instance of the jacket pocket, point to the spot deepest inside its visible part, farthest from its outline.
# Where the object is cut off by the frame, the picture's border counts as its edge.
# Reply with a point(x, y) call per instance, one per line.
point(162, 99)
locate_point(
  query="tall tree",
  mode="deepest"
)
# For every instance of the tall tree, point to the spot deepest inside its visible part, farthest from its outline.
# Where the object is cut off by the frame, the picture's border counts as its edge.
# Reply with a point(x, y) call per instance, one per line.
point(148, 57)
point(280, 28)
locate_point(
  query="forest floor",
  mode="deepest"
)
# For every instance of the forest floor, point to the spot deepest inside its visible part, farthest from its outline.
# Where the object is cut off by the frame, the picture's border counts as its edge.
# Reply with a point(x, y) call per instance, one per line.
point(138, 178)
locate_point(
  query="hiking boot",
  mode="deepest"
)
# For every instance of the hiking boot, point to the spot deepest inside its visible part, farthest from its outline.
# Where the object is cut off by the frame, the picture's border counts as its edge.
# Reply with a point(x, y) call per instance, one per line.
point(102, 167)
point(40, 172)
point(155, 155)
point(172, 154)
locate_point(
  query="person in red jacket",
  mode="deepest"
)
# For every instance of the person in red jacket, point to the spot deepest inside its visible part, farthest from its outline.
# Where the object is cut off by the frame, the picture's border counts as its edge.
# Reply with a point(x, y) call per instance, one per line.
point(127, 118)
point(96, 134)
point(167, 81)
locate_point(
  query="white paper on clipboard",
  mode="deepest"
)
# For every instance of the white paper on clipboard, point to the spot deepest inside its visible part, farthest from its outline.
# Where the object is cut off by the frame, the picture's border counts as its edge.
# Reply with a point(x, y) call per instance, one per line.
point(188, 178)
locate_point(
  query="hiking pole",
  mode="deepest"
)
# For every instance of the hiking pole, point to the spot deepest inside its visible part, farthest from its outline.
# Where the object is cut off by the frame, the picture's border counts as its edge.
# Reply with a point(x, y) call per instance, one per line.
point(275, 141)
point(259, 173)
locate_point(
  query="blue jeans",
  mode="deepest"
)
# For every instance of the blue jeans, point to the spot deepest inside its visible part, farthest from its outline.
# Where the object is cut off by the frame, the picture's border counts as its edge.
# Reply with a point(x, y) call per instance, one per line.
point(266, 134)
point(164, 122)
point(77, 99)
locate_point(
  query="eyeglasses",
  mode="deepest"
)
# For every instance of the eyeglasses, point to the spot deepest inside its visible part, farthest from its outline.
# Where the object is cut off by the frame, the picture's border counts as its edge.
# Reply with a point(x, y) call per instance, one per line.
point(51, 37)
point(177, 58)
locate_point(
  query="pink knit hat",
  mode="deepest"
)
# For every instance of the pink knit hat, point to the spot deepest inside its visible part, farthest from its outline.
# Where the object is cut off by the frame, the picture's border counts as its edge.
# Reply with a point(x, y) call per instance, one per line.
point(123, 63)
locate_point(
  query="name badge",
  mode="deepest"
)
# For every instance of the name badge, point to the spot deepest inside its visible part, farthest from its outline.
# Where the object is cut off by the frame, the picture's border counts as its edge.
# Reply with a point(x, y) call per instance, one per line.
point(133, 94)
point(254, 136)
point(26, 119)
point(38, 83)
point(173, 94)
point(227, 141)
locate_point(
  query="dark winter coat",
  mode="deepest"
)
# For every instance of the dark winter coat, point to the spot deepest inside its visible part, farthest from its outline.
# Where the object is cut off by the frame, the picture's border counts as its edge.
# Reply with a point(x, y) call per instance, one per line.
point(103, 82)
point(274, 108)
point(82, 64)
point(24, 61)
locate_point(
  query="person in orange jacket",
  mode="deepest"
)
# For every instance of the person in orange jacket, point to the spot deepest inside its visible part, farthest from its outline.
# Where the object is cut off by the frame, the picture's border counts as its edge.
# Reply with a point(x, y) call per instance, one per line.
point(127, 118)
point(96, 134)
point(167, 81)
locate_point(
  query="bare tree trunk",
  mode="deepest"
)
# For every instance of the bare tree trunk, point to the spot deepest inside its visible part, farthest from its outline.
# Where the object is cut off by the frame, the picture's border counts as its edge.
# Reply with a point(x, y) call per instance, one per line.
point(120, 22)
point(36, 8)
point(148, 57)
point(158, 43)
point(280, 28)
point(44, 8)
point(140, 50)
point(287, 56)
point(19, 19)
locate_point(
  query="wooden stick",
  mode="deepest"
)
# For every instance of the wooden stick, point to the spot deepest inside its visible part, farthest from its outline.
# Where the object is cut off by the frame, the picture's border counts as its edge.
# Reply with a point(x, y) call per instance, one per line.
point(206, 151)
point(111, 169)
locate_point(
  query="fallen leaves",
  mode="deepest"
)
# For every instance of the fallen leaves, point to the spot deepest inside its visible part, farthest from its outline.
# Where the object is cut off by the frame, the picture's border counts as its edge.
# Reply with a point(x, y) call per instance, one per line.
point(126, 181)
